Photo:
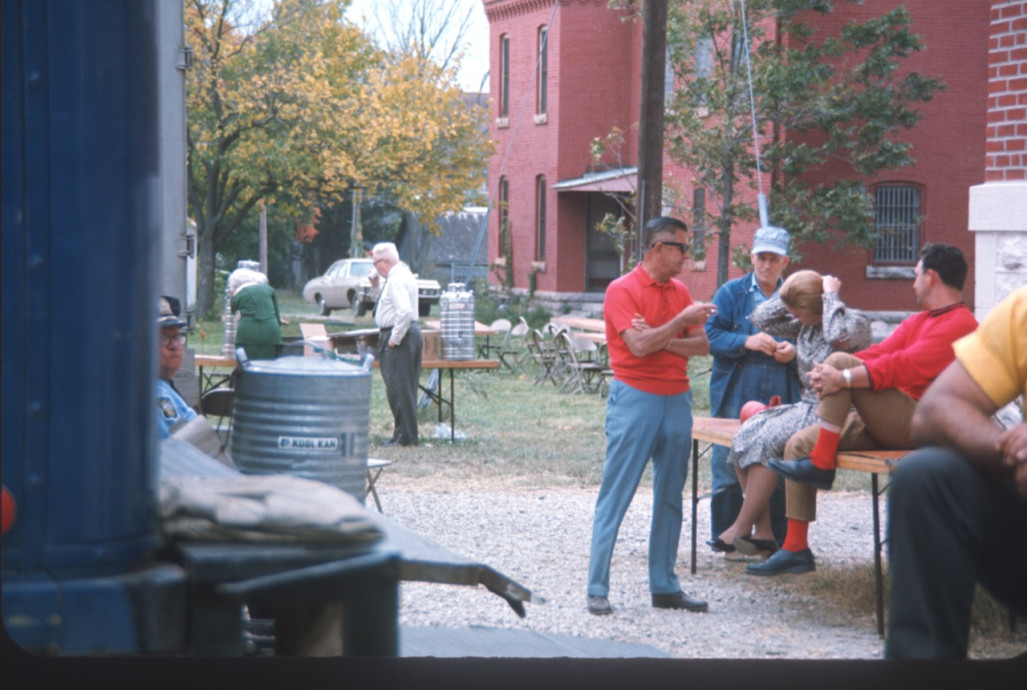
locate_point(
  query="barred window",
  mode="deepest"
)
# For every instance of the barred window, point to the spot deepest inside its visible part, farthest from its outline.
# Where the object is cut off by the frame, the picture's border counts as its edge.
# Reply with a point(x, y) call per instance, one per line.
point(898, 223)
point(543, 70)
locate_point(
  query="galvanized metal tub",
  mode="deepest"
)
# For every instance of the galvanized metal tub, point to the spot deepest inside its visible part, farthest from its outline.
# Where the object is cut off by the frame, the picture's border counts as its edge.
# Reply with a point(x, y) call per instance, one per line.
point(304, 416)
point(456, 307)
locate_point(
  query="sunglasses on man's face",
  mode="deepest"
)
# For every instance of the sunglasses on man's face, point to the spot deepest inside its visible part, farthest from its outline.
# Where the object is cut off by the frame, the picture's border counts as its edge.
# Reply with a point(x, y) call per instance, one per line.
point(681, 246)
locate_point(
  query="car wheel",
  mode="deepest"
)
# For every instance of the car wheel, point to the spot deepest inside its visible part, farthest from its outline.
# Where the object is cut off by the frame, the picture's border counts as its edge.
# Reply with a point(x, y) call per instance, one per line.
point(323, 307)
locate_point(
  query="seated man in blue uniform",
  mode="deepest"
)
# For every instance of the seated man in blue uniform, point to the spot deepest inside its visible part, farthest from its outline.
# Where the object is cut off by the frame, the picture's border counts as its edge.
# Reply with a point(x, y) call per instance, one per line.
point(172, 409)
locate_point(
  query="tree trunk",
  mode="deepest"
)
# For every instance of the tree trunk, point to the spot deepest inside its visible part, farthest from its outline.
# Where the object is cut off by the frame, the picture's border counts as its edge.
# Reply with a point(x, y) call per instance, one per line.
point(205, 271)
point(724, 222)
point(410, 242)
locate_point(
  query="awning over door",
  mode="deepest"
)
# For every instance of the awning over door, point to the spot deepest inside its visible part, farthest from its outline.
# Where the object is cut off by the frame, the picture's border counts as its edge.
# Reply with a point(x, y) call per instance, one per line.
point(624, 180)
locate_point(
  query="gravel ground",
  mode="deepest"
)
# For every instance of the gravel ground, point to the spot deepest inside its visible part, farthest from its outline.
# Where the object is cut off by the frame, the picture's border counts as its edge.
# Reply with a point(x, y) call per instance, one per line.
point(540, 538)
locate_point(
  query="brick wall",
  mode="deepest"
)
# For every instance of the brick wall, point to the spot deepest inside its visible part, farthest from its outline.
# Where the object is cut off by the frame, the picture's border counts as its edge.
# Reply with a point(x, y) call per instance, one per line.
point(592, 87)
point(1006, 158)
point(998, 208)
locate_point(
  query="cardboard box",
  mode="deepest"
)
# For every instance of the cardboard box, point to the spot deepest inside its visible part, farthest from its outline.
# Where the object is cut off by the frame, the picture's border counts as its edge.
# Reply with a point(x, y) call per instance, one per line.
point(432, 348)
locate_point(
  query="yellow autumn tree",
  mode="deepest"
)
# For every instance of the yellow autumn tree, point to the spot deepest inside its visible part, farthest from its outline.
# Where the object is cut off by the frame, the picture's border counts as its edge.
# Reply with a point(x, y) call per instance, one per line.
point(304, 105)
point(422, 145)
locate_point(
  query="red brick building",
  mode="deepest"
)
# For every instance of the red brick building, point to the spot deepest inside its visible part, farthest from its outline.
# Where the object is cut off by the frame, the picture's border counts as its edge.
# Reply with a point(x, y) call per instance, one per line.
point(1006, 159)
point(998, 206)
point(545, 113)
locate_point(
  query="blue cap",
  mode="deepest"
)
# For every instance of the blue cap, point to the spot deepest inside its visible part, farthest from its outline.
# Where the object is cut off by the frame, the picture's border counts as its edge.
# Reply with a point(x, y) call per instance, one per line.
point(167, 317)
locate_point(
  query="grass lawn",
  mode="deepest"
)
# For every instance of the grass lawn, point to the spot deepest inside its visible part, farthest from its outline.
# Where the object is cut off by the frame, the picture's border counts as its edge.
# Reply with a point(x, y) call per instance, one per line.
point(525, 434)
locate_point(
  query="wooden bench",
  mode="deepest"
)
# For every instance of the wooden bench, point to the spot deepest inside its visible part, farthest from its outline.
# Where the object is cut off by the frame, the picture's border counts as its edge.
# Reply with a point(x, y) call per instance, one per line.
point(877, 462)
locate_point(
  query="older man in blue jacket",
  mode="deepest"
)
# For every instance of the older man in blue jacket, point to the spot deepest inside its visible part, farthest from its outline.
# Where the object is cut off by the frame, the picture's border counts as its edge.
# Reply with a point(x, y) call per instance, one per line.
point(745, 367)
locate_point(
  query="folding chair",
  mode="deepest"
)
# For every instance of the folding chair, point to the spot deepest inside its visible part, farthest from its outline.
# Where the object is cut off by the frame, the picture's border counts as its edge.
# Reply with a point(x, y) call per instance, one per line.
point(543, 354)
point(220, 403)
point(374, 469)
point(579, 358)
point(552, 329)
point(513, 354)
point(499, 326)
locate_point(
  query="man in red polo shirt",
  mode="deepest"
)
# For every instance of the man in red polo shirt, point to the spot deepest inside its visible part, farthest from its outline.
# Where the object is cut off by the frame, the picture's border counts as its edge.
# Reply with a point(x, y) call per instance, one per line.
point(883, 383)
point(652, 328)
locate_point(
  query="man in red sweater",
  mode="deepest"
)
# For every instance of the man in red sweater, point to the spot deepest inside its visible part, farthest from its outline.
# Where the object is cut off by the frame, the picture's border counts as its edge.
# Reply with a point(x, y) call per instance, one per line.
point(883, 383)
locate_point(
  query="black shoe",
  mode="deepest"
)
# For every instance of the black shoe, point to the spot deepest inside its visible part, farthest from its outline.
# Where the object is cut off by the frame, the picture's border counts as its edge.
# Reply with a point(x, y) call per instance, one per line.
point(756, 547)
point(679, 600)
point(785, 561)
point(599, 606)
point(719, 544)
point(803, 471)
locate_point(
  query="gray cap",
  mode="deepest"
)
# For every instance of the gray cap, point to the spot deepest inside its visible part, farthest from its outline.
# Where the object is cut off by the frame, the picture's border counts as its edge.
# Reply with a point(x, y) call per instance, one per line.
point(771, 239)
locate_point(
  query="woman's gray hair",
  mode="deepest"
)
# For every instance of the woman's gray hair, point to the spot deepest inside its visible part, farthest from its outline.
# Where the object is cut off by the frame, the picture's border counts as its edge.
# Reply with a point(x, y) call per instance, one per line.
point(244, 276)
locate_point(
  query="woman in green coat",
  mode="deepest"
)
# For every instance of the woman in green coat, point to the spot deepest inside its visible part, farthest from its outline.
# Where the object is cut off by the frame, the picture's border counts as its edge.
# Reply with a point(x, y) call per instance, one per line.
point(258, 329)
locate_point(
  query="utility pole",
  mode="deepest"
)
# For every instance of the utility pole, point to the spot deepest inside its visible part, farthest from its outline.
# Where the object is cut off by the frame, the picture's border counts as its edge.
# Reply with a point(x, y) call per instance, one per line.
point(356, 237)
point(263, 239)
point(650, 121)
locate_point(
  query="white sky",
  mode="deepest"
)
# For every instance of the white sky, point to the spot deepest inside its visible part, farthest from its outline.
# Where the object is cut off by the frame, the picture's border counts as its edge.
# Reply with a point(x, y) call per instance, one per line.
point(475, 63)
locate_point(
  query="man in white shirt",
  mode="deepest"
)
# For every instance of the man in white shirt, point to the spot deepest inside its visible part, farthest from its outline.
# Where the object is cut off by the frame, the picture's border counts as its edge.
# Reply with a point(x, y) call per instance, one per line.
point(399, 341)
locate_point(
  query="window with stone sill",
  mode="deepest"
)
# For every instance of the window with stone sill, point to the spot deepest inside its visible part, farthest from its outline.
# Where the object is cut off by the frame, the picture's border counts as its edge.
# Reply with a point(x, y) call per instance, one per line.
point(898, 210)
point(542, 77)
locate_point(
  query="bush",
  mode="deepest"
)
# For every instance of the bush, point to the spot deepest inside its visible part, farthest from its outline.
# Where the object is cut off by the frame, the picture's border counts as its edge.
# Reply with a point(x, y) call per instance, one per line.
point(490, 305)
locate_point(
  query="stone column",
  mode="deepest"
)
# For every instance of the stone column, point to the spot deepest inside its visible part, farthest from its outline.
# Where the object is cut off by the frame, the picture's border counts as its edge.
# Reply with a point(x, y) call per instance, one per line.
point(998, 216)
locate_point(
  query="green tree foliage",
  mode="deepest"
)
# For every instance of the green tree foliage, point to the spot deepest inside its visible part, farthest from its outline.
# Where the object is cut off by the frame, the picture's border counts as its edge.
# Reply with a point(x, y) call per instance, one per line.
point(819, 100)
point(303, 108)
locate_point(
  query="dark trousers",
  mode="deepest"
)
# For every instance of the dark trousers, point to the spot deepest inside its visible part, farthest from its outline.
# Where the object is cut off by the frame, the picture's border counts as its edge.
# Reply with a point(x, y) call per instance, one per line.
point(949, 526)
point(401, 371)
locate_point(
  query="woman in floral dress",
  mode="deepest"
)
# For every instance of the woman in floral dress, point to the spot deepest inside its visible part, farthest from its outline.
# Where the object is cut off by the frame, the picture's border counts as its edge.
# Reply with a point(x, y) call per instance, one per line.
point(809, 311)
